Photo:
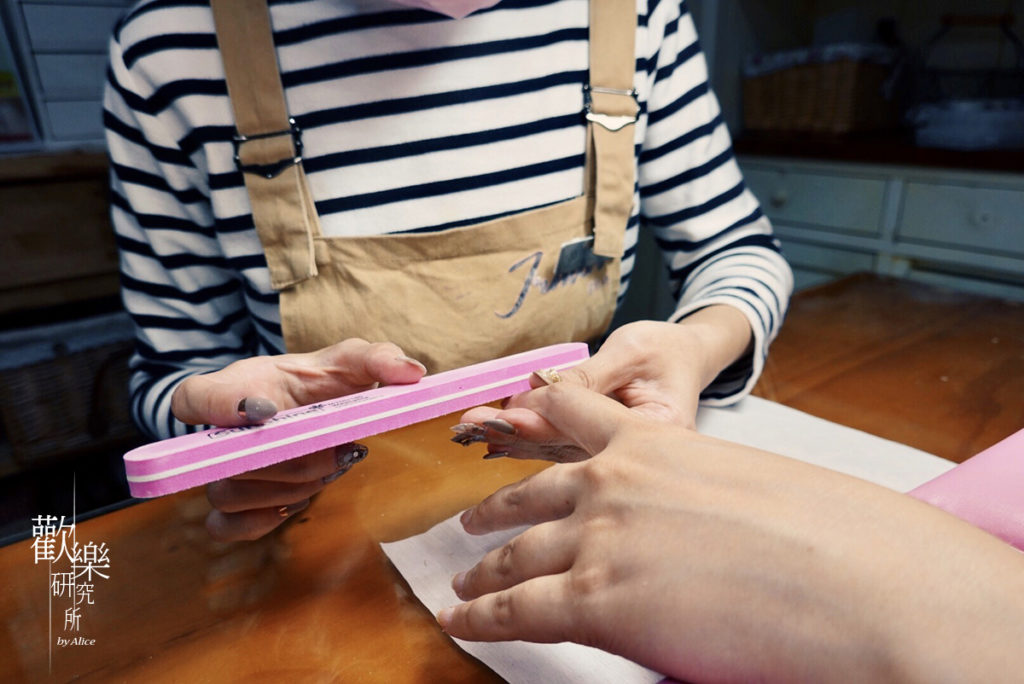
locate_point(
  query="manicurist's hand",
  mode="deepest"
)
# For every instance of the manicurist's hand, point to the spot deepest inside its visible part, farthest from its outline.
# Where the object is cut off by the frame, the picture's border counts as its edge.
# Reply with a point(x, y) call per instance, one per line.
point(711, 561)
point(250, 505)
point(656, 368)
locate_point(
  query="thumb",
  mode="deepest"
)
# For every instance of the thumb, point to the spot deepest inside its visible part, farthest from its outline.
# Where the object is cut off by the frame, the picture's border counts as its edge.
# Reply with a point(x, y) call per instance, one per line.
point(587, 418)
point(201, 400)
point(604, 372)
point(360, 363)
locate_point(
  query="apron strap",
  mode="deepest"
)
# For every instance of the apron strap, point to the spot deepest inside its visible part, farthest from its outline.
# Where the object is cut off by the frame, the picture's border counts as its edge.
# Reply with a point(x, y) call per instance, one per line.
point(268, 144)
point(611, 108)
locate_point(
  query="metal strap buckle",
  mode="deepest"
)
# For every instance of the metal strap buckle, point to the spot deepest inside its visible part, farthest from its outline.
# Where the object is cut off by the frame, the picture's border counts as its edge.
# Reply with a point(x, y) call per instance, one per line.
point(609, 121)
point(273, 168)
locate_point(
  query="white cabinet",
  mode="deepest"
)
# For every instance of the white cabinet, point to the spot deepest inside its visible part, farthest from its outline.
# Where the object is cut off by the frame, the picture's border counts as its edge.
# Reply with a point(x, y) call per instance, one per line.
point(962, 229)
point(971, 216)
point(922, 216)
point(814, 263)
point(853, 202)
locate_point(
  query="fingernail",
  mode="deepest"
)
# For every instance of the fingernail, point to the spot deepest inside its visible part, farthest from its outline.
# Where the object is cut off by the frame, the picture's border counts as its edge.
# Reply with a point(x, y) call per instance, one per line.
point(256, 409)
point(328, 479)
point(292, 509)
point(444, 617)
point(347, 455)
point(470, 428)
point(458, 582)
point(548, 376)
point(500, 425)
point(412, 362)
point(467, 438)
point(495, 454)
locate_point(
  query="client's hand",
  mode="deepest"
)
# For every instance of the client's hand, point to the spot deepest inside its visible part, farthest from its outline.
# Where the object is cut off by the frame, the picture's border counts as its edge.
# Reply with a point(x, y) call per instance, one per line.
point(707, 560)
point(250, 391)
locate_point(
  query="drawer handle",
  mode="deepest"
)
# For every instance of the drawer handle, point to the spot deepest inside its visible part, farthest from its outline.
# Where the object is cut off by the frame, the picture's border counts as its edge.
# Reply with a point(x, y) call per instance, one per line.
point(982, 218)
point(778, 199)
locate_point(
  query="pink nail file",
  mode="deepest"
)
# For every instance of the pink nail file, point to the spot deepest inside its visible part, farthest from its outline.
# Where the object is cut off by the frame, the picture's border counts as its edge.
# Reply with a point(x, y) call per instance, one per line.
point(178, 463)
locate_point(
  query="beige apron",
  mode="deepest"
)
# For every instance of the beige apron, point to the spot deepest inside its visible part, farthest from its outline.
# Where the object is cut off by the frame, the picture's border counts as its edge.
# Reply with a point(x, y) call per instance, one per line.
point(448, 298)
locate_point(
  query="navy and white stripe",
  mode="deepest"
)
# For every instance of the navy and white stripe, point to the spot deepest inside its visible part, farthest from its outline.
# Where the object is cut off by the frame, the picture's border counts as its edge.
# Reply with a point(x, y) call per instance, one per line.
point(411, 122)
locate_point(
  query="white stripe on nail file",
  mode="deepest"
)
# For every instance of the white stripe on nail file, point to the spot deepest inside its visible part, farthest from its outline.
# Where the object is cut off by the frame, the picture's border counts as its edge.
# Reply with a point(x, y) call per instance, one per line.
point(179, 463)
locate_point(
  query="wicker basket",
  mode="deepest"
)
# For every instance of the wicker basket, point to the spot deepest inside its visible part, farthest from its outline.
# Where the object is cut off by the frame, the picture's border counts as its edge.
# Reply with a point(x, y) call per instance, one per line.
point(72, 404)
point(841, 95)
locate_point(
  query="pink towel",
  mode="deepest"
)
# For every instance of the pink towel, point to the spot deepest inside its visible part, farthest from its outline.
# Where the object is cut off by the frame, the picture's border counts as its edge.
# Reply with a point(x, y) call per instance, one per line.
point(986, 490)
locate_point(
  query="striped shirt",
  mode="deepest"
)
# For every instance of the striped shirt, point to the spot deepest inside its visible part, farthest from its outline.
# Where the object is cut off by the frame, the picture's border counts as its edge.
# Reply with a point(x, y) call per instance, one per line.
point(411, 121)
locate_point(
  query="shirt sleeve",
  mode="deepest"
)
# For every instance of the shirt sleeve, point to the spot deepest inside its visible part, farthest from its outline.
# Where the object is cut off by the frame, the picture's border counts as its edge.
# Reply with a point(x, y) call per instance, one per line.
point(716, 242)
point(185, 301)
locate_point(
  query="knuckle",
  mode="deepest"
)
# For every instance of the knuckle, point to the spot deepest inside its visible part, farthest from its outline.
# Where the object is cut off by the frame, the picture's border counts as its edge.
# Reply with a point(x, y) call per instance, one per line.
point(631, 339)
point(384, 349)
point(505, 564)
point(352, 343)
point(588, 583)
point(504, 609)
point(341, 349)
point(597, 475)
point(513, 497)
point(581, 375)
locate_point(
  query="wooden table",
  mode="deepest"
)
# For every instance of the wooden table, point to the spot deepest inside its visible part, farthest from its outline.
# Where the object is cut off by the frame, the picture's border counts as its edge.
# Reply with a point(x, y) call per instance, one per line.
point(319, 602)
point(316, 602)
point(939, 370)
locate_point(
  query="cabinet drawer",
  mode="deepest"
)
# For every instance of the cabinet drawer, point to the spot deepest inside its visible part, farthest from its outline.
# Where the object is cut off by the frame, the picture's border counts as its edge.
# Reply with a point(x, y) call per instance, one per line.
point(815, 264)
point(845, 203)
point(982, 219)
point(70, 28)
point(827, 259)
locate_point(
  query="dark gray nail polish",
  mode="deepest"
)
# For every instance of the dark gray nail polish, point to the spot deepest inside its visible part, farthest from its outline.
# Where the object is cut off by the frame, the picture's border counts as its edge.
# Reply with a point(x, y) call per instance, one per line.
point(335, 475)
point(347, 455)
point(256, 409)
point(470, 428)
point(495, 454)
point(467, 438)
point(502, 426)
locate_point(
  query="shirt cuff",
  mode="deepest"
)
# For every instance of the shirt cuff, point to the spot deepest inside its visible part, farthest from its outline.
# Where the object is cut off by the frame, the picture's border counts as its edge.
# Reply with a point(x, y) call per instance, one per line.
point(738, 379)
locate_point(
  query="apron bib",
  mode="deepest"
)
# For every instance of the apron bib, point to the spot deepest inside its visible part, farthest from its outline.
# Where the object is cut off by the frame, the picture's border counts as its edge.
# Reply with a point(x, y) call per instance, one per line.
point(447, 298)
